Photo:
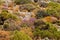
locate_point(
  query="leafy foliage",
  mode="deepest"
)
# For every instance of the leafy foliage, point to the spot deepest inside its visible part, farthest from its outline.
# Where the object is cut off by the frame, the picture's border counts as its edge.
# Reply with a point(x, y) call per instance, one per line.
point(7, 15)
point(53, 9)
point(51, 32)
point(4, 35)
point(22, 1)
point(17, 35)
point(29, 32)
point(11, 25)
point(43, 20)
point(41, 14)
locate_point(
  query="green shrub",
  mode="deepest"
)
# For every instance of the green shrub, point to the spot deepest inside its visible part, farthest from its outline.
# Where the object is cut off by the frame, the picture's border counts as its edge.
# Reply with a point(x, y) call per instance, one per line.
point(12, 16)
point(40, 24)
point(24, 25)
point(4, 14)
point(7, 15)
point(29, 7)
point(5, 26)
point(46, 33)
point(41, 14)
point(51, 32)
point(22, 1)
point(52, 28)
point(17, 35)
point(53, 9)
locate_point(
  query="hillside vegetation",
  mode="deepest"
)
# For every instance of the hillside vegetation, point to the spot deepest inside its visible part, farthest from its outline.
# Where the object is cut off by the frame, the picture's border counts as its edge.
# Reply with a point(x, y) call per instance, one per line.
point(29, 20)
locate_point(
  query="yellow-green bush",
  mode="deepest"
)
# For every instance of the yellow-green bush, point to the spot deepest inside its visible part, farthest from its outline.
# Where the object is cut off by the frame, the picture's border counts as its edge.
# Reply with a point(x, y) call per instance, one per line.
point(51, 32)
point(22, 1)
point(17, 35)
point(7, 15)
point(53, 9)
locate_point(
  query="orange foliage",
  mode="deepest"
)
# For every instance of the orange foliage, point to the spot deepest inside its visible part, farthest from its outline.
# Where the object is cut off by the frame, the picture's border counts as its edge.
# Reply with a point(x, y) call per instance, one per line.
point(49, 19)
point(4, 35)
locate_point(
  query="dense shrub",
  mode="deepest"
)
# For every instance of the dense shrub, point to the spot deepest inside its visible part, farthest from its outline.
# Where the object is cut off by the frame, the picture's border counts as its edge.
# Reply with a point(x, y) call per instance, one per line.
point(43, 4)
point(4, 35)
point(5, 26)
point(29, 32)
point(11, 25)
point(40, 24)
point(22, 1)
point(28, 7)
point(51, 32)
point(17, 35)
point(6, 15)
point(58, 22)
point(41, 14)
point(53, 9)
point(9, 21)
point(24, 25)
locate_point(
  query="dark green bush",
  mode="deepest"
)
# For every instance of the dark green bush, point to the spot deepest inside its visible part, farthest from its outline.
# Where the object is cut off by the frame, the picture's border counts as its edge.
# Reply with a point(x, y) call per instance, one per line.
point(43, 4)
point(5, 26)
point(40, 24)
point(41, 14)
